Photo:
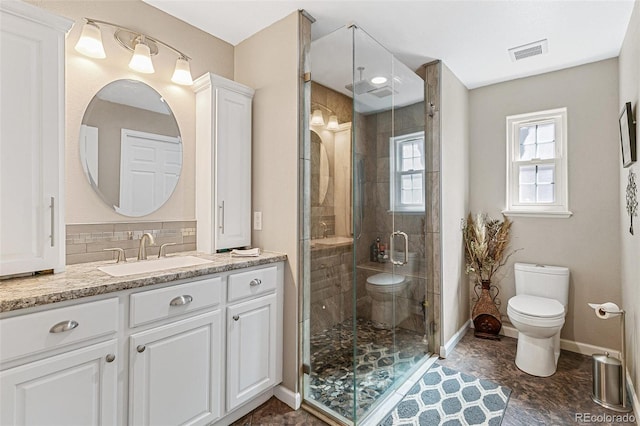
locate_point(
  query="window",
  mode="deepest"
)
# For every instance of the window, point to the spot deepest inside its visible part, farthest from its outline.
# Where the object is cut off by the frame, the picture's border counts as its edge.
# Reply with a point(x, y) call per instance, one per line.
point(537, 164)
point(407, 173)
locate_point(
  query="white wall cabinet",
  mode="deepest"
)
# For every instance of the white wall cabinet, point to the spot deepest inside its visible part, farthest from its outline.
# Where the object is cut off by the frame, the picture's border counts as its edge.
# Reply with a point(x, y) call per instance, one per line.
point(223, 163)
point(196, 352)
point(32, 231)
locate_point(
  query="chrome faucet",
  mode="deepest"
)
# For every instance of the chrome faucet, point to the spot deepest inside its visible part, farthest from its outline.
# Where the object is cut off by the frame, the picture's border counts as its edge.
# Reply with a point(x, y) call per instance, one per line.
point(142, 251)
point(325, 229)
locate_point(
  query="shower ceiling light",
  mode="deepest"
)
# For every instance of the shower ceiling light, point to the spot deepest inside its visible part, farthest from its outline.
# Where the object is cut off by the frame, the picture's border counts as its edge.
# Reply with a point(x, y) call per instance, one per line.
point(379, 80)
point(142, 46)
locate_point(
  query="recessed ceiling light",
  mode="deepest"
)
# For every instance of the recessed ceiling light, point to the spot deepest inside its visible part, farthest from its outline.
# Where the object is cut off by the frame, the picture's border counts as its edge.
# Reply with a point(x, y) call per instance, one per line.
point(379, 80)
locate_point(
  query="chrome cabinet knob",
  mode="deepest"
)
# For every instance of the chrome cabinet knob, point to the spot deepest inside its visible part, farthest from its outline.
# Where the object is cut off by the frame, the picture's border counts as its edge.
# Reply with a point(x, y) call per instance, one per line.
point(141, 348)
point(236, 317)
point(110, 357)
point(254, 282)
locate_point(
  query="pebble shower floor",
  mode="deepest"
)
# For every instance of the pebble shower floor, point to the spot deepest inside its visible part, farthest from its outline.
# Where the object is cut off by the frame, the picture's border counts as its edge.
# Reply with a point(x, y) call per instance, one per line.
point(382, 357)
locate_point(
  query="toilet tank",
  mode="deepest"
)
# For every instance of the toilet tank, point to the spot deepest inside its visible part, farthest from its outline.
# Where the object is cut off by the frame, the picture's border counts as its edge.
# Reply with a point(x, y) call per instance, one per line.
point(543, 281)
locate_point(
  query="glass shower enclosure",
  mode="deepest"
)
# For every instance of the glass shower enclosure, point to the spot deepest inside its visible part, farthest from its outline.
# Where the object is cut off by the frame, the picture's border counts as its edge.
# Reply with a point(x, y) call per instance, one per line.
point(367, 313)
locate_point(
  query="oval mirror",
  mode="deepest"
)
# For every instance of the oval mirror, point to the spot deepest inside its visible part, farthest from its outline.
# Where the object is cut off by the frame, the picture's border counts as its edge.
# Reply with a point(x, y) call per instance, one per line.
point(319, 171)
point(130, 147)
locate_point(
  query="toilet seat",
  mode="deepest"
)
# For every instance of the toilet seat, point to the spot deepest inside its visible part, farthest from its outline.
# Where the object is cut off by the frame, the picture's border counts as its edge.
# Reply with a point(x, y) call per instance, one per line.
point(536, 307)
point(536, 311)
point(386, 283)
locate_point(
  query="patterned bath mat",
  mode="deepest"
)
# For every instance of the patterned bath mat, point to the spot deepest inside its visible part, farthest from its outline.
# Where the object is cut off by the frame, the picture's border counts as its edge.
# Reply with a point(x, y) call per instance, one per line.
point(447, 397)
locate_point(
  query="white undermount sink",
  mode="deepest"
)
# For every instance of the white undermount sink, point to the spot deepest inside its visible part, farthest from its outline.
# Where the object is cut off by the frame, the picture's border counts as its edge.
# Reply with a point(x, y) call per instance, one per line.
point(151, 265)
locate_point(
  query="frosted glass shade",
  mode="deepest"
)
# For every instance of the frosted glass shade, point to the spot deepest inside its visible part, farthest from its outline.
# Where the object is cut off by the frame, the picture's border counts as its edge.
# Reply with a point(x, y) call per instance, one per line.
point(141, 59)
point(317, 119)
point(182, 73)
point(333, 123)
point(90, 42)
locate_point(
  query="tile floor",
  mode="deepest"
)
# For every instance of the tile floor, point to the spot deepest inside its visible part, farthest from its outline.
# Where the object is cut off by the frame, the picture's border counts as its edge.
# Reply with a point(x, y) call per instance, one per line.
point(383, 356)
point(534, 400)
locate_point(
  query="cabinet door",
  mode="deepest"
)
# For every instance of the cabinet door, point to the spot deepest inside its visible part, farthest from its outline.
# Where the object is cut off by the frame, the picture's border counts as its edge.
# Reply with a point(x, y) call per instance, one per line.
point(77, 388)
point(174, 376)
point(31, 145)
point(233, 169)
point(251, 349)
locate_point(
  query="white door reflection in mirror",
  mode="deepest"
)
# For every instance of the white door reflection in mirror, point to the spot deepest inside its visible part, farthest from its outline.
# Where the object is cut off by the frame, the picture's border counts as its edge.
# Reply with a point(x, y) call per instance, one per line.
point(152, 169)
point(149, 170)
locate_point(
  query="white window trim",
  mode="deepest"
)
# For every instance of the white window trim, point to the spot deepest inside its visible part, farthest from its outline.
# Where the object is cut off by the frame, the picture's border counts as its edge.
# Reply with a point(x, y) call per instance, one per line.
point(558, 209)
point(393, 182)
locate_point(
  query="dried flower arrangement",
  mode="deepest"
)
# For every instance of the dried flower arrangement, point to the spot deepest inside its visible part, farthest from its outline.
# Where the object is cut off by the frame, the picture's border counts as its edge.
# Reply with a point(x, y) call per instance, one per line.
point(485, 242)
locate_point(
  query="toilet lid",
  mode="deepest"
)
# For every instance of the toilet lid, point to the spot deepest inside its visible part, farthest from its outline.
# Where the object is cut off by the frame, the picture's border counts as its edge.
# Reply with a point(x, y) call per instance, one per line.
point(535, 306)
point(385, 279)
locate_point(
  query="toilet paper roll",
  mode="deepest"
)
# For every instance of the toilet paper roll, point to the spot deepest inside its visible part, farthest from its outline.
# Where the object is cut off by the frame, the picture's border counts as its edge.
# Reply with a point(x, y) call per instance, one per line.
point(606, 310)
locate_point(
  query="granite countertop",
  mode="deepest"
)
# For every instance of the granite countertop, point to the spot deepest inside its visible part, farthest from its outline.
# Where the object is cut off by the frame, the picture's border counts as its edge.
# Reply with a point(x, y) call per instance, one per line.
point(85, 279)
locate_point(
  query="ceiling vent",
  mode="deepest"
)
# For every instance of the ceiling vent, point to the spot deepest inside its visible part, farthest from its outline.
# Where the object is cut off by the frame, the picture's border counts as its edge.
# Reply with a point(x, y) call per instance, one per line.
point(528, 50)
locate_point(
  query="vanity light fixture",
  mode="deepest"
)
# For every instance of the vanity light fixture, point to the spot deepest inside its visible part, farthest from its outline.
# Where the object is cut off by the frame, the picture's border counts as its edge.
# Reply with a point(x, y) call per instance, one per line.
point(142, 46)
point(318, 115)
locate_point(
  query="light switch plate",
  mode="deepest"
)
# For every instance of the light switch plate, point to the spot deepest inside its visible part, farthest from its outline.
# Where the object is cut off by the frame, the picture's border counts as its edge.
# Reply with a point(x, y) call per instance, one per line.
point(257, 221)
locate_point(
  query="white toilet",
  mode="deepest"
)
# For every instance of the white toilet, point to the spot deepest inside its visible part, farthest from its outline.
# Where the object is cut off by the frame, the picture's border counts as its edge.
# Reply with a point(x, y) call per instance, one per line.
point(537, 311)
point(389, 306)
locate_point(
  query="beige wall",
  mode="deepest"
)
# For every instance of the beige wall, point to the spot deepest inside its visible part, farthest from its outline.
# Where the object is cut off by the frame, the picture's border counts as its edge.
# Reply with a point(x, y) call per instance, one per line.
point(268, 62)
point(589, 241)
point(454, 195)
point(85, 77)
point(629, 71)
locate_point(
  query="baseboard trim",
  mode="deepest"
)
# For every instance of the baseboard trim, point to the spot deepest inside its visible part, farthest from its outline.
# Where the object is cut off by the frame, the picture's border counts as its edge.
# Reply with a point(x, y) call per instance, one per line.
point(631, 390)
point(448, 347)
point(567, 345)
point(292, 399)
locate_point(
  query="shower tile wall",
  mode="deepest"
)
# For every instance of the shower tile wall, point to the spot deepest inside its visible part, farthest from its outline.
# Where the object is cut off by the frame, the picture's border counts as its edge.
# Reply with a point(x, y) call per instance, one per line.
point(331, 294)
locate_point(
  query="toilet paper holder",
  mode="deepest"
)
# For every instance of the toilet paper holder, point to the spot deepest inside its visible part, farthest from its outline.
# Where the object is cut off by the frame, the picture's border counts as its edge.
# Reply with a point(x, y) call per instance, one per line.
point(606, 311)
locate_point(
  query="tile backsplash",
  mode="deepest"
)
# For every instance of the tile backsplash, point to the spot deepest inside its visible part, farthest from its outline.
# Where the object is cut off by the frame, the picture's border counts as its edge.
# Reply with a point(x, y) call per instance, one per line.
point(87, 242)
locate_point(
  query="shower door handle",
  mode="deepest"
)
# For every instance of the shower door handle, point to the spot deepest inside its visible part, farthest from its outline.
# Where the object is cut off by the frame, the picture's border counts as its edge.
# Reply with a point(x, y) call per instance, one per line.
point(406, 248)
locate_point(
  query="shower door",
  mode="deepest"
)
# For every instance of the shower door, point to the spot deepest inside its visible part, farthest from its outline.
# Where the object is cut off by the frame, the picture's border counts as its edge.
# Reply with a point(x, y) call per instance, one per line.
point(367, 314)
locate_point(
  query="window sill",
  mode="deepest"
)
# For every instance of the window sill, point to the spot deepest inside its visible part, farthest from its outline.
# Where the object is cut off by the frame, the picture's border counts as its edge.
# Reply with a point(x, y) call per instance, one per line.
point(528, 213)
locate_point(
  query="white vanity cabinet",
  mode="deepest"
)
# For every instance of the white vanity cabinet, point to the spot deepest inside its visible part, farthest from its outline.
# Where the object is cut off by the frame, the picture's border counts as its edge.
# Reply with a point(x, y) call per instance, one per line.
point(175, 369)
point(223, 163)
point(46, 385)
point(200, 351)
point(254, 339)
point(32, 231)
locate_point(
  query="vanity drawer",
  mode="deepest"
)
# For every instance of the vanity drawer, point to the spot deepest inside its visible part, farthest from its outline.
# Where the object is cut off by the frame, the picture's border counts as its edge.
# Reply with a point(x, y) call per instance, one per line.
point(251, 283)
point(175, 300)
point(33, 333)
